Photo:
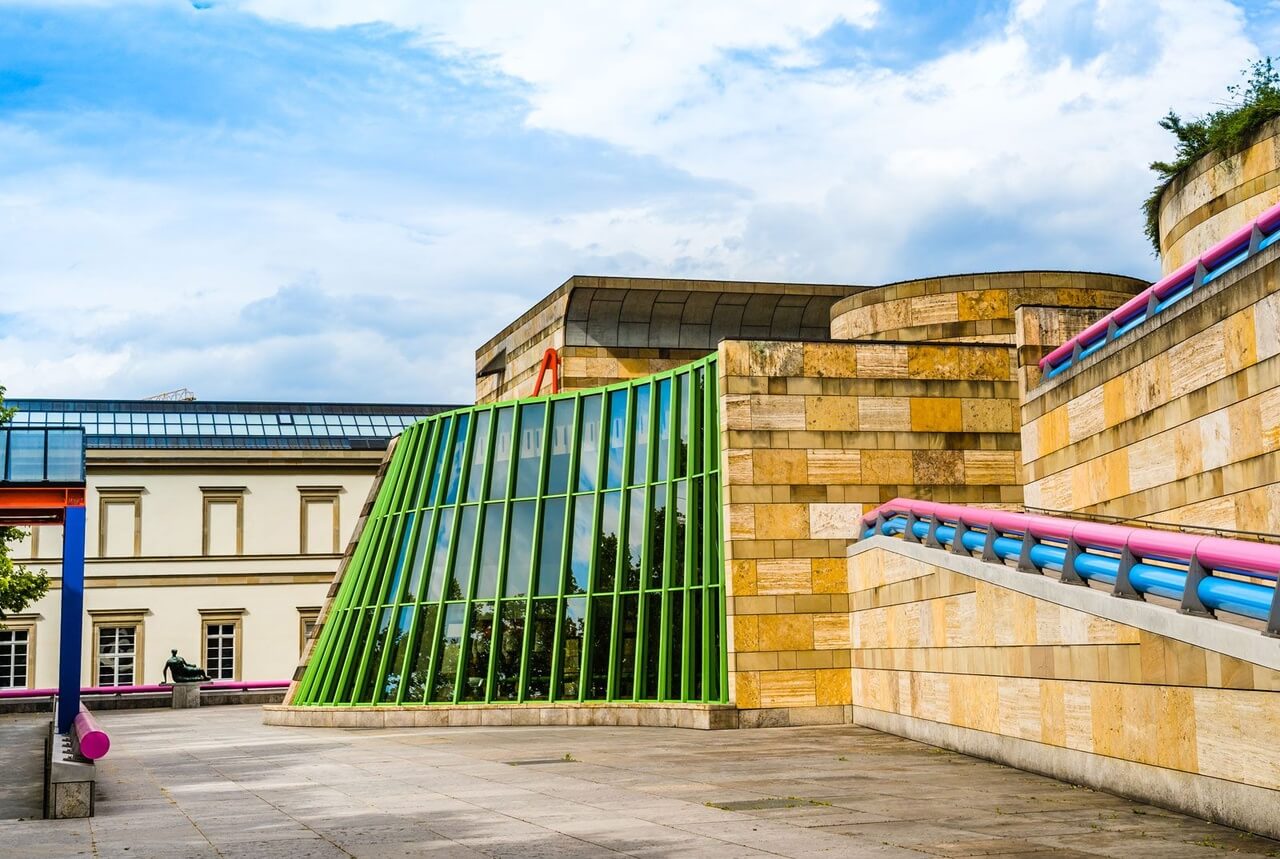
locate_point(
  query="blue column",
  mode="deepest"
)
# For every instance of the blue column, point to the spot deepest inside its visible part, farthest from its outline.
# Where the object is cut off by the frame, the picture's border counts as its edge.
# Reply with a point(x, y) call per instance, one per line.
point(69, 646)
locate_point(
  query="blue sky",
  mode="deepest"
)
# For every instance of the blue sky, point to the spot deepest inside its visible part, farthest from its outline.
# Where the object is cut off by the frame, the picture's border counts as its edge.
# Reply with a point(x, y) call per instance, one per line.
point(341, 201)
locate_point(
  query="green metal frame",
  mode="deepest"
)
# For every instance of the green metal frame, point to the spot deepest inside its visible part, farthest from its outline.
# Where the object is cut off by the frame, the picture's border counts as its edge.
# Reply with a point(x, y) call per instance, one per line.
point(375, 633)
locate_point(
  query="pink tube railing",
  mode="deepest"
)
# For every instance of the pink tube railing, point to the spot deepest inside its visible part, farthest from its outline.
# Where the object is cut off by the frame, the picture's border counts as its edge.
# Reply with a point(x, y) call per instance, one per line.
point(1241, 240)
point(214, 686)
point(91, 741)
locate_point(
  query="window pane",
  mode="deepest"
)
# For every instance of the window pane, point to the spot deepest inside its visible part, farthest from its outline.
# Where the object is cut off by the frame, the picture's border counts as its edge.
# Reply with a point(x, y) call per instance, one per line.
point(571, 630)
point(551, 547)
point(26, 456)
point(589, 443)
point(501, 465)
point(395, 662)
point(479, 455)
point(675, 647)
point(607, 542)
point(440, 556)
point(450, 645)
point(617, 438)
point(561, 442)
point(626, 674)
point(419, 562)
point(601, 628)
point(652, 644)
point(695, 643)
point(678, 538)
point(397, 572)
point(636, 503)
point(696, 517)
point(657, 535)
point(455, 461)
point(507, 670)
point(542, 642)
point(695, 417)
point(529, 452)
point(419, 670)
point(520, 548)
point(373, 661)
point(490, 551)
point(478, 651)
point(442, 444)
point(682, 424)
point(583, 544)
point(66, 455)
point(640, 452)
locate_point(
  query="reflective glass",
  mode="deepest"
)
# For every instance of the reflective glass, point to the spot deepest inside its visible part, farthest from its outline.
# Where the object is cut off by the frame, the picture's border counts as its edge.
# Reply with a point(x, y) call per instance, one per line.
point(583, 545)
point(640, 434)
point(479, 455)
point(561, 444)
point(520, 548)
point(506, 673)
point(490, 551)
point(449, 648)
point(529, 452)
point(572, 627)
point(617, 438)
point(607, 542)
point(455, 459)
point(662, 456)
point(550, 547)
point(589, 443)
point(478, 641)
point(500, 466)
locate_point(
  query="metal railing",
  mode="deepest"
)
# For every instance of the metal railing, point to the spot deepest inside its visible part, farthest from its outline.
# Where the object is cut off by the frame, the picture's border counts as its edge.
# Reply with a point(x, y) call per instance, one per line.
point(1201, 573)
point(1212, 264)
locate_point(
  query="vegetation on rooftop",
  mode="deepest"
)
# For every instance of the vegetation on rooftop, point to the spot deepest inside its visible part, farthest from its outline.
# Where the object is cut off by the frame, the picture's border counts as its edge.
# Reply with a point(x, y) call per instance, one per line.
point(1226, 131)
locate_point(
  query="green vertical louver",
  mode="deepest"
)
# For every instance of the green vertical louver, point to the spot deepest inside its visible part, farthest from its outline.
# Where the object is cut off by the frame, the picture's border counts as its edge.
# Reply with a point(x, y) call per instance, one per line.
point(562, 548)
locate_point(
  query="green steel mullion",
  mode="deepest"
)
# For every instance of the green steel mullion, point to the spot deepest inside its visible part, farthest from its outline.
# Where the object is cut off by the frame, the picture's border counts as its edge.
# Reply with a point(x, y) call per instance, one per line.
point(642, 586)
point(686, 655)
point(333, 666)
point(668, 541)
point(387, 565)
point(624, 527)
point(566, 546)
point(722, 652)
point(708, 533)
point(544, 460)
point(597, 502)
point(376, 562)
point(470, 596)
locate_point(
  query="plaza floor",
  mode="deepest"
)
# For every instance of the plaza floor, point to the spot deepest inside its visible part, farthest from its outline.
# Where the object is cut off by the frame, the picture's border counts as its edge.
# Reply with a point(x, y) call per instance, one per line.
point(216, 782)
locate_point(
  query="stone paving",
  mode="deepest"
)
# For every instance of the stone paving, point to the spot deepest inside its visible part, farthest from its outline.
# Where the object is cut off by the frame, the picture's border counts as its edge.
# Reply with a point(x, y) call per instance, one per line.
point(216, 782)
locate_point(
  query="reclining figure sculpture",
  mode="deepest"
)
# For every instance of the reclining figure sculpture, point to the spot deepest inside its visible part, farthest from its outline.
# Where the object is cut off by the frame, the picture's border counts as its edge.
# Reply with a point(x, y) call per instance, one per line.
point(183, 671)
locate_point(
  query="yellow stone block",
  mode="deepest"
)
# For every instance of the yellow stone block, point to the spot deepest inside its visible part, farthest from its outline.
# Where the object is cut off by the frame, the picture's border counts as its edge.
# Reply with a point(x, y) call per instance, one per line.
point(876, 361)
point(830, 360)
point(984, 363)
point(884, 414)
point(984, 304)
point(747, 689)
point(780, 466)
point(788, 689)
point(884, 467)
point(831, 413)
point(832, 631)
point(782, 521)
point(933, 362)
point(940, 414)
point(784, 576)
point(746, 633)
point(775, 358)
point(830, 576)
point(786, 632)
point(1240, 344)
point(740, 520)
point(834, 687)
point(987, 415)
point(742, 578)
point(830, 467)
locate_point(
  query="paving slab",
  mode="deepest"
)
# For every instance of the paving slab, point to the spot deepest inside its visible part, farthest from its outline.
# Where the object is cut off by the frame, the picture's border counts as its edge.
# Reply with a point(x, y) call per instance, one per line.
point(217, 782)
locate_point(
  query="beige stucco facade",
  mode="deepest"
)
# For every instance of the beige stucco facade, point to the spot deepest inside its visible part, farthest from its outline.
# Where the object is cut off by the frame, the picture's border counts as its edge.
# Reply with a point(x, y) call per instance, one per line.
point(176, 539)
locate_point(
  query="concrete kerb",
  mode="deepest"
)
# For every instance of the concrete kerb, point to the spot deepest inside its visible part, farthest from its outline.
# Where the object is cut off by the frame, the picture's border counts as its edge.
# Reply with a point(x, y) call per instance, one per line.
point(693, 716)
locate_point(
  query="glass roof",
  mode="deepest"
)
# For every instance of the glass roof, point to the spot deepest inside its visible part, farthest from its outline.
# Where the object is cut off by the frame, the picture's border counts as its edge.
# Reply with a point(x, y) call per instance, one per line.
point(231, 425)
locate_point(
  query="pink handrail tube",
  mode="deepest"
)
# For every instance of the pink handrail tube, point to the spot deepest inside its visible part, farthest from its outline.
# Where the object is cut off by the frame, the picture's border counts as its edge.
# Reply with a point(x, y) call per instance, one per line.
point(1268, 222)
point(213, 686)
point(91, 741)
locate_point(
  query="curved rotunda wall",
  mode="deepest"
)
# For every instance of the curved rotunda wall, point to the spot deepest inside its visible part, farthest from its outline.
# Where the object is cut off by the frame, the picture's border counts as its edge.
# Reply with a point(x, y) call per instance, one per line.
point(554, 549)
point(1217, 196)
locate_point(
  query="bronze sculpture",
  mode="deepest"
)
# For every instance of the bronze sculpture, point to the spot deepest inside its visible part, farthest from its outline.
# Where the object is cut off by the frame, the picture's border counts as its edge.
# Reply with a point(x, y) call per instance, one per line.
point(182, 670)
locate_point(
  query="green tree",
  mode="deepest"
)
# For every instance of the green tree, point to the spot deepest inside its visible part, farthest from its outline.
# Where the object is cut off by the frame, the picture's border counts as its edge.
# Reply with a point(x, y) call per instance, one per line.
point(19, 587)
point(1228, 130)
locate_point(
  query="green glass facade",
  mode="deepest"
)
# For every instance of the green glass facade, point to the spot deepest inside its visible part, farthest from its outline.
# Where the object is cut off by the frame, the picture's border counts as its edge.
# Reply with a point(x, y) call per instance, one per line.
point(555, 549)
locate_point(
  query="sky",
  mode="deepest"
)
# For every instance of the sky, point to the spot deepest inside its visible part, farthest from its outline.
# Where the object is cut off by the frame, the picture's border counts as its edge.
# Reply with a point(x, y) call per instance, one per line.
point(336, 200)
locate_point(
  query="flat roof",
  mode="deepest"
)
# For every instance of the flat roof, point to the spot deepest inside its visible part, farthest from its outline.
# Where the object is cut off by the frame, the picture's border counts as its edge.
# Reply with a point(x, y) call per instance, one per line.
point(224, 424)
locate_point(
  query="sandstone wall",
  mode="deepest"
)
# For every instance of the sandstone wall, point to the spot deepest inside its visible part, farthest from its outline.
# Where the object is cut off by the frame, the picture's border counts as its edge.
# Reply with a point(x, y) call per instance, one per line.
point(1216, 196)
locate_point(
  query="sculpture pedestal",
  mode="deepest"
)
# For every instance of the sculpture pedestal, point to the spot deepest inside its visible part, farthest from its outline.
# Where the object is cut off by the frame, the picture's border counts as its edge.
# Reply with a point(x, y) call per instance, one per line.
point(186, 695)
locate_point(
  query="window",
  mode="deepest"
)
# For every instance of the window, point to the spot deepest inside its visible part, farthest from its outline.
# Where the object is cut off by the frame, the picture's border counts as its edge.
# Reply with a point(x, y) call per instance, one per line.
point(319, 522)
point(15, 657)
point(220, 635)
point(117, 648)
point(308, 617)
point(223, 532)
point(119, 521)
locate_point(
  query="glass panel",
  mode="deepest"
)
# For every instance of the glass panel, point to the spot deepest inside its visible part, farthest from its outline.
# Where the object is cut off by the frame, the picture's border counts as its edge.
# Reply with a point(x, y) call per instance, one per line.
point(682, 424)
point(520, 548)
point(26, 456)
point(617, 438)
point(395, 662)
point(607, 542)
point(681, 518)
point(478, 651)
point(652, 645)
point(675, 647)
point(456, 458)
point(350, 667)
point(419, 563)
point(711, 564)
point(714, 692)
point(589, 443)
point(551, 547)
point(490, 551)
point(419, 671)
point(66, 455)
point(438, 462)
point(601, 630)
point(640, 452)
point(696, 550)
point(571, 630)
point(561, 438)
point(440, 556)
point(657, 535)
point(542, 643)
point(635, 538)
point(479, 455)
point(625, 681)
point(662, 455)
point(582, 546)
point(695, 417)
point(695, 642)
point(501, 465)
point(397, 572)
point(450, 645)
point(373, 659)
point(529, 452)
point(506, 675)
